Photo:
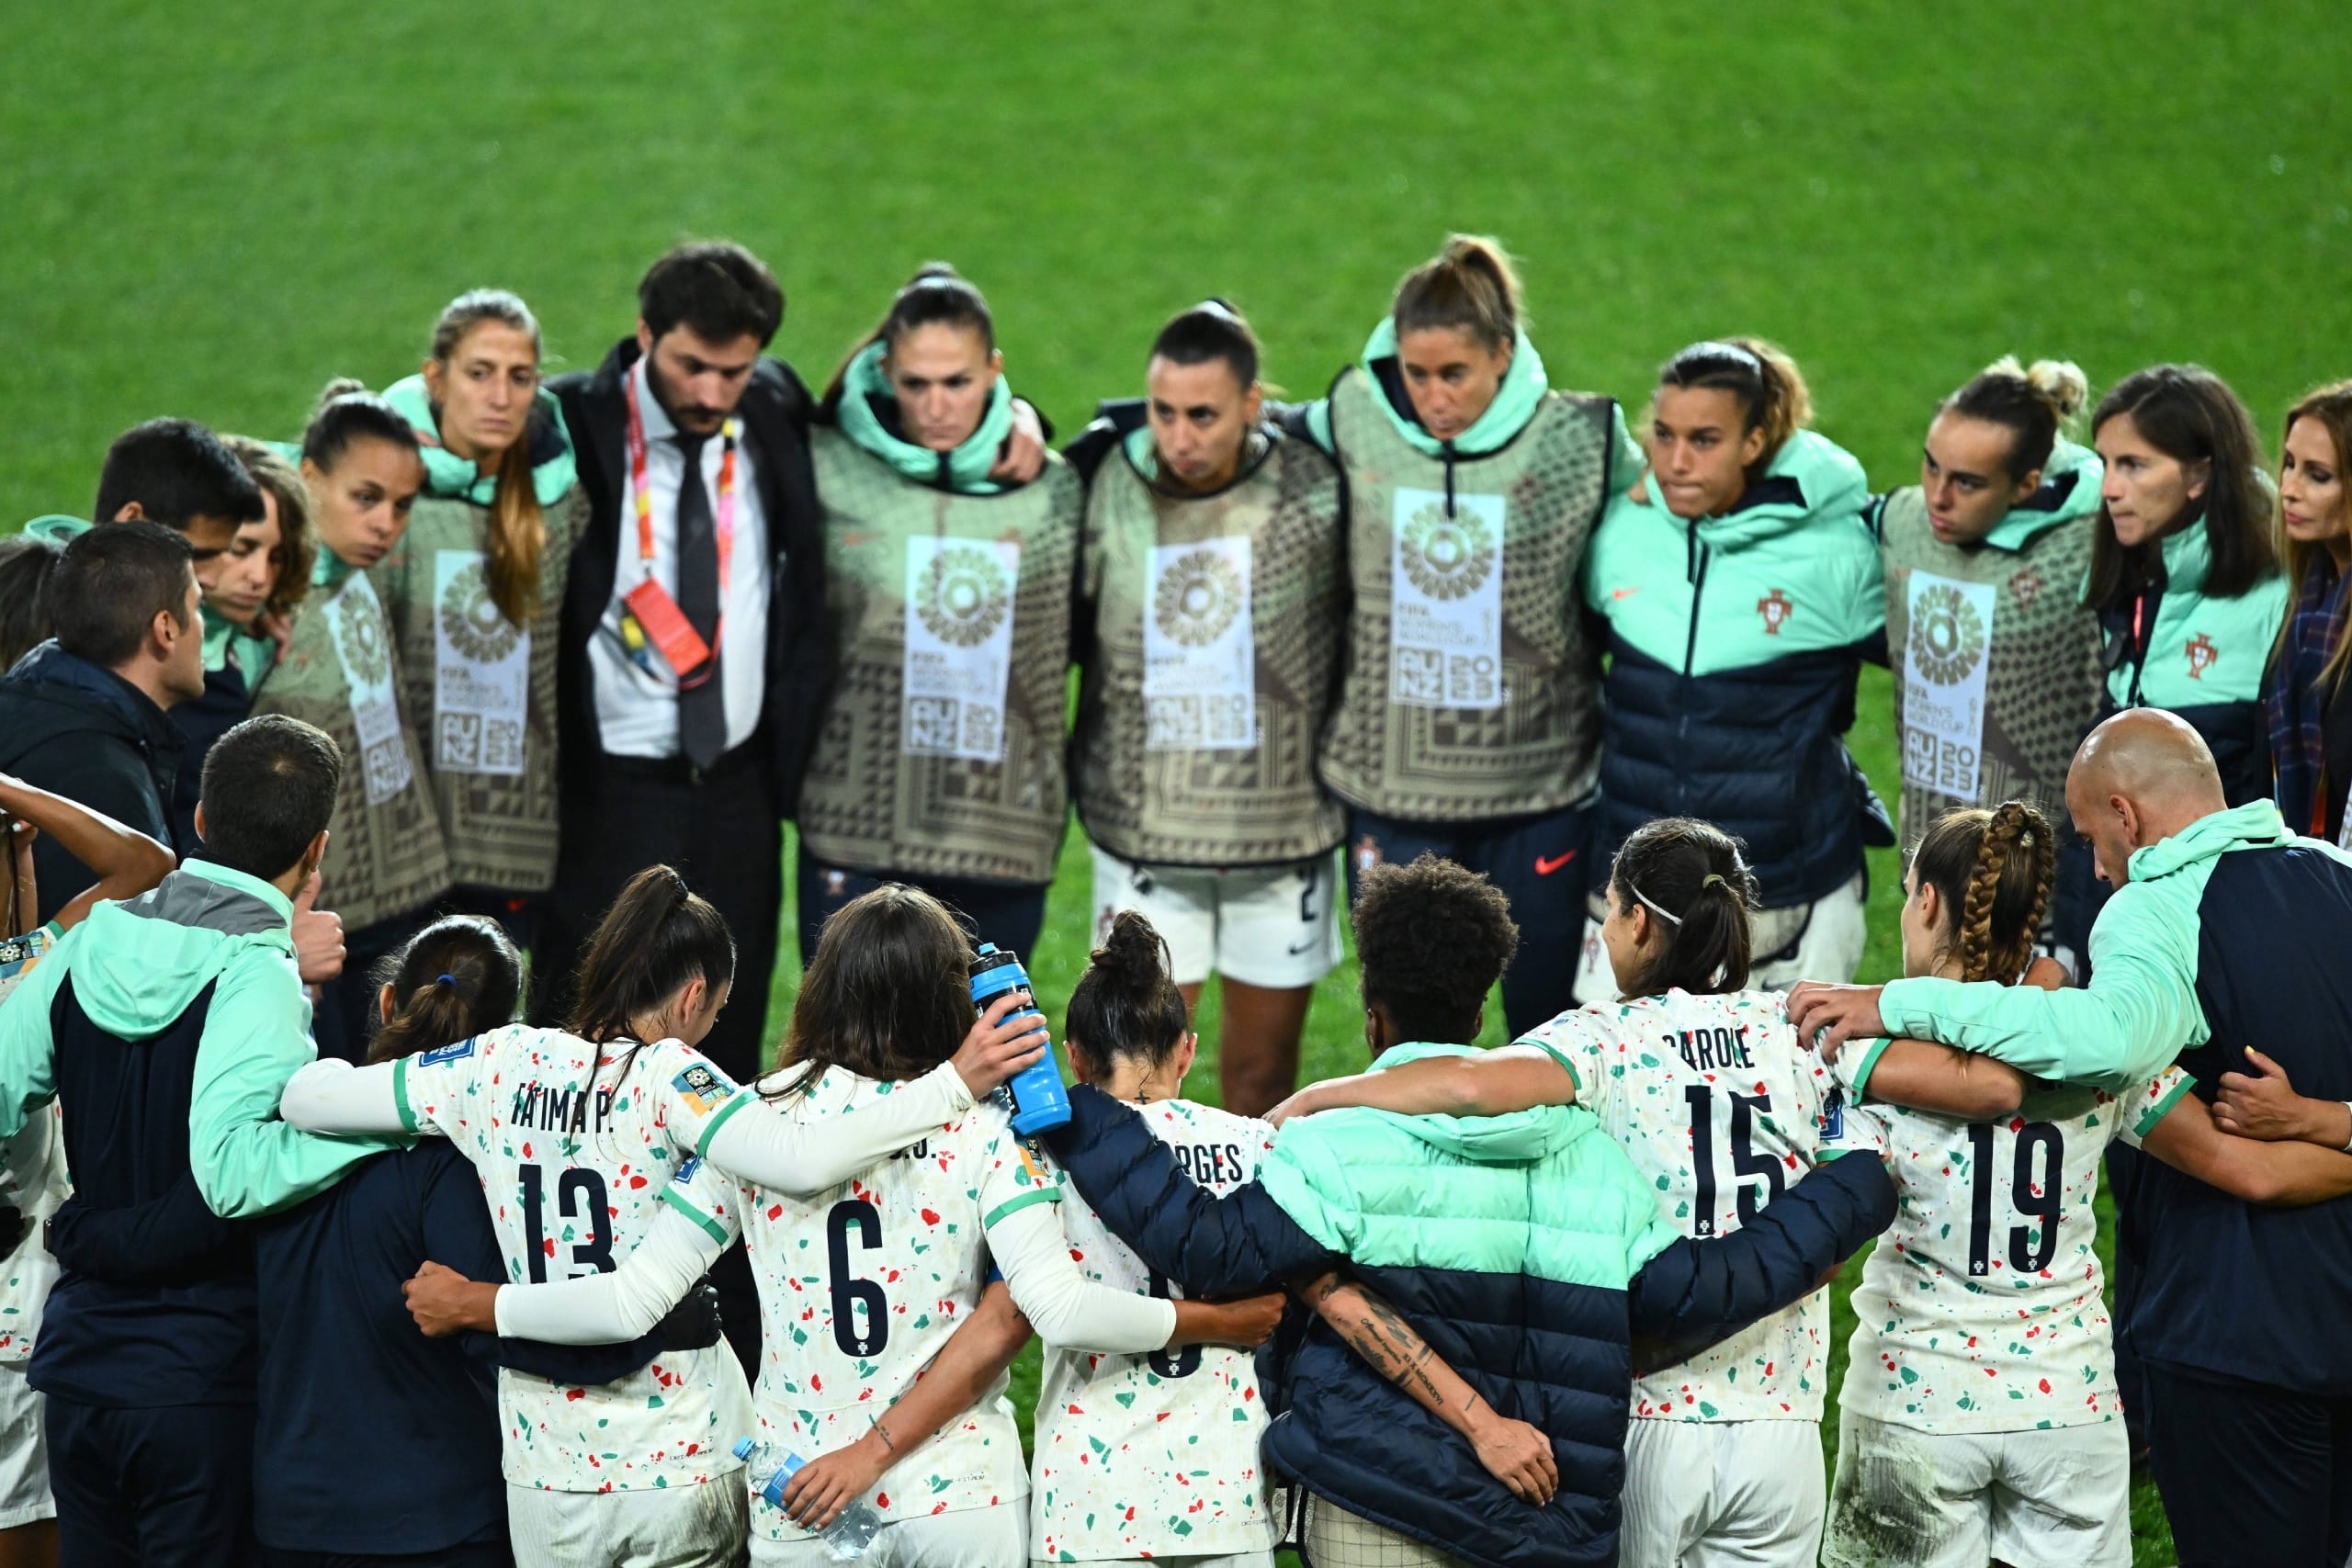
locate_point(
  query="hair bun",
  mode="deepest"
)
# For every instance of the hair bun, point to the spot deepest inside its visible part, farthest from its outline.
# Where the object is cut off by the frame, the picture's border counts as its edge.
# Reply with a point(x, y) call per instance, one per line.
point(1132, 954)
point(2061, 382)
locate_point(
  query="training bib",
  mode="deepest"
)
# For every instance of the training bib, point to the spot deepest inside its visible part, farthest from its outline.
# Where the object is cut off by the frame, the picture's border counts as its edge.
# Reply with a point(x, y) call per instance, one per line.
point(959, 646)
point(1943, 676)
point(363, 644)
point(481, 671)
point(1445, 627)
point(1200, 673)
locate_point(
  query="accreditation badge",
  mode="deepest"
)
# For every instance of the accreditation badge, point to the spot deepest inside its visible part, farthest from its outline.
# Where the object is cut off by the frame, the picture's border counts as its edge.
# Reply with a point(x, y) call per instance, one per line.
point(1445, 622)
point(481, 671)
point(958, 661)
point(1944, 661)
point(1200, 652)
point(363, 642)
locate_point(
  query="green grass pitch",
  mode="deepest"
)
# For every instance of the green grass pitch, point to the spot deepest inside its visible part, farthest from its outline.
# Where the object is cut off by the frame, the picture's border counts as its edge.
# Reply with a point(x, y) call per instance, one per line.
point(211, 209)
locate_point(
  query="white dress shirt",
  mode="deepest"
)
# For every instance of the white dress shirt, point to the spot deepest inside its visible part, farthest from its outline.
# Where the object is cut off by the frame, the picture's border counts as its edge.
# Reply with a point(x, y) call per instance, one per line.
point(637, 711)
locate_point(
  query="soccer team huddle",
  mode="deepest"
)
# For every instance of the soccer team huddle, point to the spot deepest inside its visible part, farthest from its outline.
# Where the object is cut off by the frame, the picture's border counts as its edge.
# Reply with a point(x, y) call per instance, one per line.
point(484, 702)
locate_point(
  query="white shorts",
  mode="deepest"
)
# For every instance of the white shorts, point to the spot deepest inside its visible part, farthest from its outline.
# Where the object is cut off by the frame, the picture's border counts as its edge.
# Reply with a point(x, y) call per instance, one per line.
point(994, 1536)
point(1231, 1559)
point(24, 1452)
point(2047, 1498)
point(1276, 927)
point(1700, 1493)
point(665, 1527)
point(1827, 936)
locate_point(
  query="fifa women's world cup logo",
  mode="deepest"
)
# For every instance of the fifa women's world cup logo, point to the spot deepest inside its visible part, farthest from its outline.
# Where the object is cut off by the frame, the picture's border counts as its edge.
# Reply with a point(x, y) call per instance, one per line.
point(963, 596)
point(470, 618)
point(1447, 556)
point(364, 650)
point(1197, 598)
point(1947, 636)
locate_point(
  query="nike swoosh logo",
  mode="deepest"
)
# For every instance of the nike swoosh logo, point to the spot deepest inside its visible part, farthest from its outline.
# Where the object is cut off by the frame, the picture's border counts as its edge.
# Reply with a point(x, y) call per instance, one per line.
point(1623, 592)
point(1546, 866)
point(1304, 947)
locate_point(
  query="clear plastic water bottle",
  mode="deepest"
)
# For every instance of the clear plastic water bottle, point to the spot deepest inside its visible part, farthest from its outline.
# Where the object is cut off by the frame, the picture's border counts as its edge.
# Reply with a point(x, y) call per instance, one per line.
point(771, 1470)
point(1039, 1101)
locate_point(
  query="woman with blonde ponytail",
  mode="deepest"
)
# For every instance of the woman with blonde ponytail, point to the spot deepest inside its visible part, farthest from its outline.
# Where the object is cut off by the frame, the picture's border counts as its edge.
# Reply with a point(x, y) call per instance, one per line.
point(475, 593)
point(1468, 720)
point(1741, 592)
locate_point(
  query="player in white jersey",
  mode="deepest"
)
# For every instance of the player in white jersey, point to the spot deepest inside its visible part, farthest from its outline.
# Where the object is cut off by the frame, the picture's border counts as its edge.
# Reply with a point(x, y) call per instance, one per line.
point(1980, 1416)
point(1152, 1456)
point(33, 1180)
point(863, 1284)
point(577, 1136)
point(1706, 1087)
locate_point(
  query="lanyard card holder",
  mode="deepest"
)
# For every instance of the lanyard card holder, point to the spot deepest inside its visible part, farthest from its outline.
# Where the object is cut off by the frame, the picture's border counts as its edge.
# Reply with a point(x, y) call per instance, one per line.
point(672, 633)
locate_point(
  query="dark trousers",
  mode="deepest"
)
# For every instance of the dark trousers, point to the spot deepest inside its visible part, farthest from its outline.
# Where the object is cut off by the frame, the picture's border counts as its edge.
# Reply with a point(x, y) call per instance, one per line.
point(465, 1554)
point(1541, 866)
point(1009, 914)
point(718, 828)
point(169, 1488)
point(2250, 1473)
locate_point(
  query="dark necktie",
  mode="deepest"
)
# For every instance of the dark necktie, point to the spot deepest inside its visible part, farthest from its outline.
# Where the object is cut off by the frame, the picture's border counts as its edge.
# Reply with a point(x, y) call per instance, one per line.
point(702, 708)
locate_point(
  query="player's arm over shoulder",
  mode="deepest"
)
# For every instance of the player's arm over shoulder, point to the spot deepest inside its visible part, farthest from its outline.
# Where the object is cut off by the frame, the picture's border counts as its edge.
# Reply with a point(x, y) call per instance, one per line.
point(1510, 1079)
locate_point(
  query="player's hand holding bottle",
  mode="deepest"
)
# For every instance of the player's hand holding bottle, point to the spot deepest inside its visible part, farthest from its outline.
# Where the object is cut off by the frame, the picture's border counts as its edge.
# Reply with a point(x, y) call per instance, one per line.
point(995, 1049)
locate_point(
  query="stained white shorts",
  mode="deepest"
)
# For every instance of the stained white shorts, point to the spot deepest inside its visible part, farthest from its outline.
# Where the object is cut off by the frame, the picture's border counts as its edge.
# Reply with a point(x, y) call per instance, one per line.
point(2047, 1498)
point(995, 1536)
point(1712, 1494)
point(647, 1527)
point(24, 1451)
point(1276, 927)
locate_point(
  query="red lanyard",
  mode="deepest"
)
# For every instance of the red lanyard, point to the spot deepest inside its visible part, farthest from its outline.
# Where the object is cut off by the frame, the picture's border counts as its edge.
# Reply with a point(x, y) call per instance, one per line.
point(643, 493)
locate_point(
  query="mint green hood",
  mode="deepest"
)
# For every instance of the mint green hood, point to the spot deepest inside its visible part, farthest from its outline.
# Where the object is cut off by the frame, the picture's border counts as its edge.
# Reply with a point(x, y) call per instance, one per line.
point(58, 528)
point(2021, 526)
point(2256, 822)
point(254, 655)
point(140, 964)
point(450, 477)
point(1515, 403)
point(1817, 477)
point(968, 465)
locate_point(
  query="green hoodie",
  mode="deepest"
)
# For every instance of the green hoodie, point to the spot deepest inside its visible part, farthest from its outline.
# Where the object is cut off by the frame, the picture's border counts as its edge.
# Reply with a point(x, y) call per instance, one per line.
point(136, 967)
point(1545, 1191)
point(2141, 1009)
point(58, 528)
point(966, 466)
point(1516, 400)
point(254, 655)
point(448, 476)
point(2201, 649)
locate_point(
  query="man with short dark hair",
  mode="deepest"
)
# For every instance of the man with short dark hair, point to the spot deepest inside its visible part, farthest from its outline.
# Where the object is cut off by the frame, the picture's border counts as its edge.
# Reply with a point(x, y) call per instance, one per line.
point(175, 472)
point(165, 1027)
point(84, 713)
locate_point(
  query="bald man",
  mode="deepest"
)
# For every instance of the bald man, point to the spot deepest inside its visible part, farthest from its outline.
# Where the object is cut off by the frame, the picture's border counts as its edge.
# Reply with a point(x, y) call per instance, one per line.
point(2225, 931)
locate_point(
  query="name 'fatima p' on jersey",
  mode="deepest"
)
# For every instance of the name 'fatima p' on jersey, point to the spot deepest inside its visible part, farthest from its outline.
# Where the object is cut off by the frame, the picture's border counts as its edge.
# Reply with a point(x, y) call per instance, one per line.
point(862, 1286)
point(576, 1146)
point(1154, 1455)
point(1720, 1108)
point(1981, 1309)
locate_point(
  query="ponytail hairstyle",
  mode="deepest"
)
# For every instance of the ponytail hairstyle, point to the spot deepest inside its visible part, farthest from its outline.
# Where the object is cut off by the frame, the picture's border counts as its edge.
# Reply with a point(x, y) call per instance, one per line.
point(2189, 414)
point(1470, 286)
point(1993, 872)
point(937, 296)
point(888, 994)
point(298, 548)
point(518, 533)
point(1210, 330)
point(1771, 391)
point(1126, 1007)
point(347, 415)
point(455, 978)
point(2034, 403)
point(1695, 884)
point(2331, 406)
point(659, 936)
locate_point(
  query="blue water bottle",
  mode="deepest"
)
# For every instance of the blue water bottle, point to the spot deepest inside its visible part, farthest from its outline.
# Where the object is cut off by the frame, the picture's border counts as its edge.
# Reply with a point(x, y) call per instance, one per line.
point(1039, 1101)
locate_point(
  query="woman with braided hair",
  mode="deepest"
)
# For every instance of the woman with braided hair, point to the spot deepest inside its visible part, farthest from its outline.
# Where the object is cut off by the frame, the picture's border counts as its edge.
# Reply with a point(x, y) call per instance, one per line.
point(1980, 1416)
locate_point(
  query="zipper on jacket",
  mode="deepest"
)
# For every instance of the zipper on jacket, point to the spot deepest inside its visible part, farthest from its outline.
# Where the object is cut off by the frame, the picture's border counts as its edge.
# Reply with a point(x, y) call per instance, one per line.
point(1445, 451)
point(1696, 556)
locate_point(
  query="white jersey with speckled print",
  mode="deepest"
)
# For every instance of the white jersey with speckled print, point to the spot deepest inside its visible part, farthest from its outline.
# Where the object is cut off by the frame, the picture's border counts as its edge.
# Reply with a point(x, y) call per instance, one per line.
point(1980, 1308)
point(1154, 1455)
point(32, 1181)
point(575, 1147)
point(1720, 1108)
point(862, 1285)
